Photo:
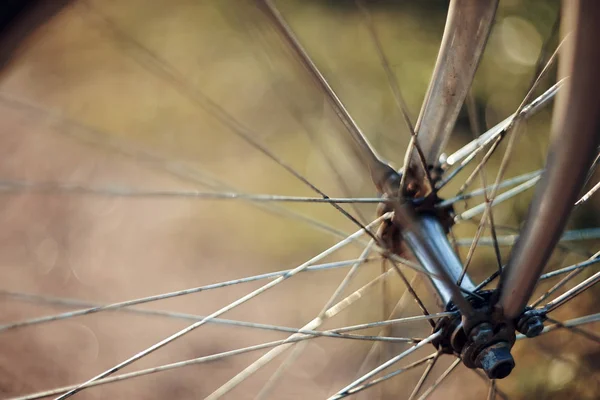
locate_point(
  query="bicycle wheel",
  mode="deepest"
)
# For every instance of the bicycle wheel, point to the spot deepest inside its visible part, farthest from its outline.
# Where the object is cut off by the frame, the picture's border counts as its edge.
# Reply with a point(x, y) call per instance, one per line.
point(181, 197)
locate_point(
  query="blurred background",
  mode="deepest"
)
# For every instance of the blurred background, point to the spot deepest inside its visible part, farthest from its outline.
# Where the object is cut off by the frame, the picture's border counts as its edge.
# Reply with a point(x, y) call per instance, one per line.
point(132, 96)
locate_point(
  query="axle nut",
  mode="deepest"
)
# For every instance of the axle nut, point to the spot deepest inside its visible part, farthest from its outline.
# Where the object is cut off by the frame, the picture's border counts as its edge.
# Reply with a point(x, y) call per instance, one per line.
point(496, 360)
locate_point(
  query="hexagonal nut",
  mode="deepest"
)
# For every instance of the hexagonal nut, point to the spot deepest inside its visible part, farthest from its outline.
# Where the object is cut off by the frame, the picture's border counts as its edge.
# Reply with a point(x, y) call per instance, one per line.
point(532, 327)
point(481, 333)
point(496, 360)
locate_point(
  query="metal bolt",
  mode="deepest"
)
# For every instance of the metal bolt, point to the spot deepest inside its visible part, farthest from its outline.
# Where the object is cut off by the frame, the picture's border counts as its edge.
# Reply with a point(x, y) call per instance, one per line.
point(532, 326)
point(496, 360)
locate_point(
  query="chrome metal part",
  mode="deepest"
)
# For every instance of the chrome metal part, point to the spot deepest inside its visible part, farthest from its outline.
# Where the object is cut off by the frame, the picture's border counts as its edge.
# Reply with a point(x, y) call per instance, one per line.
point(575, 138)
point(467, 28)
point(427, 240)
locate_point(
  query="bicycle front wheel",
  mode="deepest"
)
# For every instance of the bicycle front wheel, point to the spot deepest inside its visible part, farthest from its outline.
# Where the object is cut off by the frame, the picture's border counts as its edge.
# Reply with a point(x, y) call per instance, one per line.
point(185, 213)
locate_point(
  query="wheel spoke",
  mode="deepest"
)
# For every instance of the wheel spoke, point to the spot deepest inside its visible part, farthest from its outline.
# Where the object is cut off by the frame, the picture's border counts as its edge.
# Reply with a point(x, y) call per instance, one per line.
point(129, 303)
point(374, 382)
point(305, 334)
point(588, 319)
point(474, 122)
point(470, 151)
point(405, 262)
point(148, 371)
point(412, 291)
point(574, 272)
point(510, 240)
point(570, 269)
point(287, 363)
point(255, 366)
point(390, 322)
point(576, 250)
point(179, 170)
point(589, 194)
point(579, 266)
point(396, 321)
point(578, 331)
point(554, 201)
point(489, 279)
point(333, 333)
point(471, 252)
point(430, 365)
point(398, 98)
point(337, 333)
point(63, 188)
point(591, 171)
point(383, 60)
point(478, 209)
point(479, 192)
point(297, 113)
point(439, 380)
point(524, 111)
point(180, 364)
point(487, 380)
point(268, 386)
point(512, 126)
point(217, 313)
point(486, 208)
point(192, 317)
point(492, 390)
point(380, 170)
point(385, 365)
point(400, 306)
point(384, 351)
point(162, 69)
point(572, 293)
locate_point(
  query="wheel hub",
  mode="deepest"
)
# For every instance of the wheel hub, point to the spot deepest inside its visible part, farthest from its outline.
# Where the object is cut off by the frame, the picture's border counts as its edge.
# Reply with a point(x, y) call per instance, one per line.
point(483, 340)
point(483, 337)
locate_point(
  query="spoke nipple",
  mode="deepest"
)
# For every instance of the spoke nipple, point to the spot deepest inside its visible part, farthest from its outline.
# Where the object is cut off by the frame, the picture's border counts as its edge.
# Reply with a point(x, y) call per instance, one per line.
point(443, 158)
point(496, 360)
